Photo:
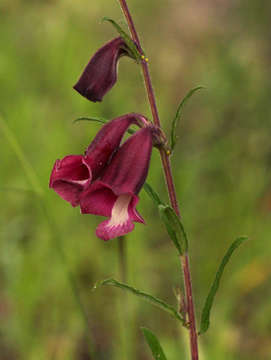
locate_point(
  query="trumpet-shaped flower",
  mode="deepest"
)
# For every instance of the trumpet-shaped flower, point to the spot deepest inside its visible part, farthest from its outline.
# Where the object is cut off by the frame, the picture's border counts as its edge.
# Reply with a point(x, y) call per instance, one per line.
point(114, 195)
point(100, 73)
point(72, 174)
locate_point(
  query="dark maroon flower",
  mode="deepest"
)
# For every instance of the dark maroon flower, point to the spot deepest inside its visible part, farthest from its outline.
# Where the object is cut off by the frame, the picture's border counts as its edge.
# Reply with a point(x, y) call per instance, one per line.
point(100, 73)
point(72, 174)
point(114, 195)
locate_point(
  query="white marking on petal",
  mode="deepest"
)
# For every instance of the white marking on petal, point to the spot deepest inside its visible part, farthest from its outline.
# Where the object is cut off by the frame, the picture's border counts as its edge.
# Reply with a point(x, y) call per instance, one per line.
point(120, 215)
point(79, 182)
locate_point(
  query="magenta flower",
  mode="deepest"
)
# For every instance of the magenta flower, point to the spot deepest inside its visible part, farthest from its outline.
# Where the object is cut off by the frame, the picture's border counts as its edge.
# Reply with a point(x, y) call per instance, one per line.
point(114, 195)
point(72, 174)
point(100, 73)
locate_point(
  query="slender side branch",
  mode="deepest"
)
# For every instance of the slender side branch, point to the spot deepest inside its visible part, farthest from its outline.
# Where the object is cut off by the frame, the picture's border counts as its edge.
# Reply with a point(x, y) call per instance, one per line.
point(169, 181)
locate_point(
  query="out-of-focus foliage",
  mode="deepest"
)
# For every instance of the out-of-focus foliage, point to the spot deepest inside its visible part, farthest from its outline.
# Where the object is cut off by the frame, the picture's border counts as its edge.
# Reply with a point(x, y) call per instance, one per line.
point(222, 167)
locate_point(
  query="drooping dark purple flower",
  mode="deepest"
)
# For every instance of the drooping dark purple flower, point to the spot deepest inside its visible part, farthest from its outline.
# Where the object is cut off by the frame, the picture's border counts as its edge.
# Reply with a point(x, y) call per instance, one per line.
point(72, 174)
point(114, 195)
point(100, 73)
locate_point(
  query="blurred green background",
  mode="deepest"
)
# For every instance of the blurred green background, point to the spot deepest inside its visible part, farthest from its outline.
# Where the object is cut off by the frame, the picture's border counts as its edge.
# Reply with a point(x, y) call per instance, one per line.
point(49, 254)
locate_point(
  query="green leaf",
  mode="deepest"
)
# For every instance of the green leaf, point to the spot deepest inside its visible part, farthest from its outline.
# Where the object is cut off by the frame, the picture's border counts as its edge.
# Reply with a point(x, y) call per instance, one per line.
point(174, 228)
point(96, 119)
point(147, 297)
point(173, 136)
point(205, 316)
point(134, 53)
point(152, 194)
point(154, 344)
point(99, 120)
point(173, 224)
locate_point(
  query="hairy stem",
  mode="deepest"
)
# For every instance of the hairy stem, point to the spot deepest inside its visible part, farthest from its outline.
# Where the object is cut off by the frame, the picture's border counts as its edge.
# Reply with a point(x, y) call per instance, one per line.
point(169, 181)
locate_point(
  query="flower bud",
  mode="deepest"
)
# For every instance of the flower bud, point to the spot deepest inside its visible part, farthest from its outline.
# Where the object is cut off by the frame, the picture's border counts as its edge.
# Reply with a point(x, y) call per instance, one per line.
point(100, 73)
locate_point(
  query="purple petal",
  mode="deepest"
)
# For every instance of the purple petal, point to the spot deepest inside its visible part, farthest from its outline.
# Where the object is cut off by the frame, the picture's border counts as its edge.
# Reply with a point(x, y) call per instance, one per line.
point(106, 142)
point(105, 231)
point(98, 199)
point(128, 169)
point(121, 220)
point(69, 177)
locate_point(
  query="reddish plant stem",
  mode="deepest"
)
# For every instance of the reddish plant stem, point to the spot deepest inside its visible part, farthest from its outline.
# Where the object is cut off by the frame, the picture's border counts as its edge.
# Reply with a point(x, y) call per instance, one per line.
point(170, 184)
point(190, 307)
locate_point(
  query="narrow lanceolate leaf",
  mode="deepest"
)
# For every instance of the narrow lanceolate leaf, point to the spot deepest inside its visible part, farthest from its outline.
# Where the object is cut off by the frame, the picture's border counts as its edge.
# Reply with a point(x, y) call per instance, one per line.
point(205, 316)
point(95, 119)
point(174, 228)
point(147, 297)
point(173, 136)
point(99, 120)
point(134, 53)
point(152, 194)
point(154, 344)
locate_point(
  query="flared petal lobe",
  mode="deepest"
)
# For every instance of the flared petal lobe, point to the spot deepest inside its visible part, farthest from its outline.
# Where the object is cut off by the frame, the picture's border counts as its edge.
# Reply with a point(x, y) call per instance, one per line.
point(122, 216)
point(99, 199)
point(115, 194)
point(69, 177)
point(72, 174)
point(100, 73)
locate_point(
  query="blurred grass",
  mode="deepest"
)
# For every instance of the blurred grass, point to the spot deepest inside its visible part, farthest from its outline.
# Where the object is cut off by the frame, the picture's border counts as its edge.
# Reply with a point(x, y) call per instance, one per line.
point(221, 165)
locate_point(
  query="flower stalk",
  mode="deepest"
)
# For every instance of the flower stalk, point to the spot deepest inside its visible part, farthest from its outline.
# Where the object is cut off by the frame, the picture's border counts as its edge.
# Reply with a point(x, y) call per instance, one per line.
point(169, 180)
